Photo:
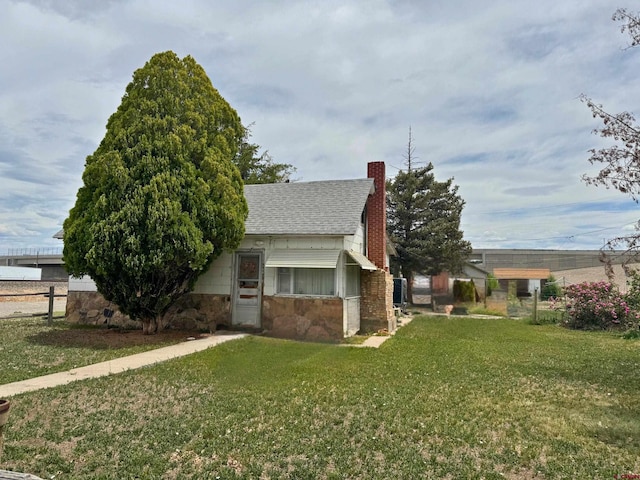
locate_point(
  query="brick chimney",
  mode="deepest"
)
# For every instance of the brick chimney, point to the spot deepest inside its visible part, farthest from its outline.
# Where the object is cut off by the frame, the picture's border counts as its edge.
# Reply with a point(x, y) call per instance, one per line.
point(377, 216)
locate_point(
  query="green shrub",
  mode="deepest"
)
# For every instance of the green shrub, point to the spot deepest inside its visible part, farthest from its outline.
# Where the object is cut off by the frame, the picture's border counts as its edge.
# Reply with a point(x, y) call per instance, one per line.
point(633, 294)
point(551, 289)
point(492, 284)
point(464, 291)
point(633, 334)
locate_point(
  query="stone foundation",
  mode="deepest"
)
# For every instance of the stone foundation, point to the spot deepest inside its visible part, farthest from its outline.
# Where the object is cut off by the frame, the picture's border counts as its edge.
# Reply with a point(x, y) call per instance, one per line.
point(191, 312)
point(200, 312)
point(376, 301)
point(89, 308)
point(303, 318)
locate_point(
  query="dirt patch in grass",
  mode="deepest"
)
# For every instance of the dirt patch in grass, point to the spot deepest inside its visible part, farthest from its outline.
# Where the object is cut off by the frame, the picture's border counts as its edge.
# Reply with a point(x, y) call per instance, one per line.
point(108, 338)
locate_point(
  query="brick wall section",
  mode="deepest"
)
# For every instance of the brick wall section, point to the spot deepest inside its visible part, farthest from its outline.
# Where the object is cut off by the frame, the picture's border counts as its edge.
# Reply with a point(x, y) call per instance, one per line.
point(376, 301)
point(377, 216)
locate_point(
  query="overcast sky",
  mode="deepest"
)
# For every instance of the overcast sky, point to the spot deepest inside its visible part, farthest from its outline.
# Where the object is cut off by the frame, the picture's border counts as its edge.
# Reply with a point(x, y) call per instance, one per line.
point(489, 88)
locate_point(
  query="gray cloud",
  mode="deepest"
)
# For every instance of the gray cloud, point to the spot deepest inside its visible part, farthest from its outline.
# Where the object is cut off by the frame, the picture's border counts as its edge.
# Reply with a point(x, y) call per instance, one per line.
point(491, 95)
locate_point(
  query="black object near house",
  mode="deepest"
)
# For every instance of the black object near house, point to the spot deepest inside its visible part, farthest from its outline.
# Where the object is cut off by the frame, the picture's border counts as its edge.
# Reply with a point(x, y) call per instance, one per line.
point(400, 293)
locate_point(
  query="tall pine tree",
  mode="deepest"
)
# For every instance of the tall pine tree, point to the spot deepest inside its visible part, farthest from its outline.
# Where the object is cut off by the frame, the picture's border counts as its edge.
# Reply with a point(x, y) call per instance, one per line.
point(423, 220)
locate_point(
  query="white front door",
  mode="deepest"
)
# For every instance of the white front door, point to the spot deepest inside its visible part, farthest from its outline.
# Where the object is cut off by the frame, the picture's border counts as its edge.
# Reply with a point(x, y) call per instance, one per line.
point(247, 296)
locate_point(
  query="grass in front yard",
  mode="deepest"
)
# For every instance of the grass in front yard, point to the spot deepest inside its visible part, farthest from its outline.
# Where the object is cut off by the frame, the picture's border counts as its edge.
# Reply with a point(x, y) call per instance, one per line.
point(443, 398)
point(480, 309)
point(546, 317)
point(29, 348)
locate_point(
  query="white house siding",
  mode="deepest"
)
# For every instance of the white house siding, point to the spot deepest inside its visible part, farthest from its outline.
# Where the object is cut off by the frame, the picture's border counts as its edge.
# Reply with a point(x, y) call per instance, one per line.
point(216, 280)
point(328, 243)
point(356, 242)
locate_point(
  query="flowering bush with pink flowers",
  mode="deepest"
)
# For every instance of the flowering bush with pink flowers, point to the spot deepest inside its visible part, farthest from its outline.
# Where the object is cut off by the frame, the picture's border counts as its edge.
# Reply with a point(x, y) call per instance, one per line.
point(597, 306)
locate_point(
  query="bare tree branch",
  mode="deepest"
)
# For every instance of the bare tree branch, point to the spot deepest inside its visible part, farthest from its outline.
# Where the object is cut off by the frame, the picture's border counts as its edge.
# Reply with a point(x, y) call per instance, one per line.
point(631, 24)
point(621, 161)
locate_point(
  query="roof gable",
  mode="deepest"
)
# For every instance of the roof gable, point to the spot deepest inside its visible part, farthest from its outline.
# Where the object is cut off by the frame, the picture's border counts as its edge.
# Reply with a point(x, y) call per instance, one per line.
point(331, 207)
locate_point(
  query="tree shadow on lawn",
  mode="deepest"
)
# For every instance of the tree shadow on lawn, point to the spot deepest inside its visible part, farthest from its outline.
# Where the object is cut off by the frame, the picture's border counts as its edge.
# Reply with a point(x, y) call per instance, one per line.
point(102, 338)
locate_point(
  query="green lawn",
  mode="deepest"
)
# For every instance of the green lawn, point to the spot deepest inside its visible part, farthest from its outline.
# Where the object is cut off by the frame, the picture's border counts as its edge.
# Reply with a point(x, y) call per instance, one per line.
point(29, 348)
point(444, 398)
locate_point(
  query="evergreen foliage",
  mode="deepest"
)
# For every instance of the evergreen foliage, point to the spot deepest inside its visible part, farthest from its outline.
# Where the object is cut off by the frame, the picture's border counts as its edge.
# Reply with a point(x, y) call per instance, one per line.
point(423, 221)
point(492, 284)
point(161, 196)
point(259, 167)
point(464, 291)
point(551, 289)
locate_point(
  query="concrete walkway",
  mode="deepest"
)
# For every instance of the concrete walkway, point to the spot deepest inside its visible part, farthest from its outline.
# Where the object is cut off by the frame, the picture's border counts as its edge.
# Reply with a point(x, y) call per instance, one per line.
point(117, 365)
point(374, 341)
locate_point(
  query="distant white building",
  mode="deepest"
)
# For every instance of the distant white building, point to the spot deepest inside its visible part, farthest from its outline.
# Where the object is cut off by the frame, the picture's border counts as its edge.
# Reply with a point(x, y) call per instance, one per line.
point(20, 273)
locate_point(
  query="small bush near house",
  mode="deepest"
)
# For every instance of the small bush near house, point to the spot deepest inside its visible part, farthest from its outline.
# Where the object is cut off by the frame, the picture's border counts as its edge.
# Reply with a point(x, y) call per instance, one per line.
point(597, 306)
point(492, 284)
point(551, 289)
point(464, 291)
point(633, 291)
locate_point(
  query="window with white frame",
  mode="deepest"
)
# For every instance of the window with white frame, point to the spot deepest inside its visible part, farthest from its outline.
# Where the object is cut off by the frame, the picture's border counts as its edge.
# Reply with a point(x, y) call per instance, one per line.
point(306, 281)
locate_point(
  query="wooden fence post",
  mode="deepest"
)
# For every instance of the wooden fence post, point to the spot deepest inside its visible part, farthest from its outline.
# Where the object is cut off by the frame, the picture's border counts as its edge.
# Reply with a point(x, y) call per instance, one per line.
point(51, 297)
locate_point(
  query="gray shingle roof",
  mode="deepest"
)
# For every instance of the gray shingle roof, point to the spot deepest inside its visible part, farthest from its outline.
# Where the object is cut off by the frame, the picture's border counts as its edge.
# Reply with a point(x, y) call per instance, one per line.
point(331, 207)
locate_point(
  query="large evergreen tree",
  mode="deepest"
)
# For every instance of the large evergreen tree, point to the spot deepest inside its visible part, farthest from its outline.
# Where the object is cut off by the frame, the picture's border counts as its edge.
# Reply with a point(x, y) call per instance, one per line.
point(161, 196)
point(423, 221)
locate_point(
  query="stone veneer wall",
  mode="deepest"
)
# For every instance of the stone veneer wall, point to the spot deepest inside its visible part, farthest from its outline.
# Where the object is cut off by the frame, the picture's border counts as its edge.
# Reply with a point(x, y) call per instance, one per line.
point(191, 312)
point(303, 318)
point(87, 308)
point(376, 301)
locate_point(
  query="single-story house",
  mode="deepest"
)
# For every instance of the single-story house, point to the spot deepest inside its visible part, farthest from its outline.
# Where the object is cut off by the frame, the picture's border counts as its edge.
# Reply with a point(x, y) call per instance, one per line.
point(525, 281)
point(313, 265)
